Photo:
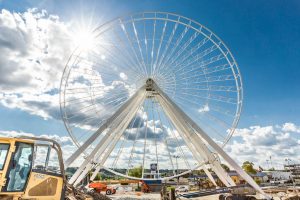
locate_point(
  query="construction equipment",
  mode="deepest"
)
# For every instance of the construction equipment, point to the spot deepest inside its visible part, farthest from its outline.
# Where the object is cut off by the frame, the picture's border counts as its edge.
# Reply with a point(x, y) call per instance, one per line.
point(98, 187)
point(33, 168)
point(145, 187)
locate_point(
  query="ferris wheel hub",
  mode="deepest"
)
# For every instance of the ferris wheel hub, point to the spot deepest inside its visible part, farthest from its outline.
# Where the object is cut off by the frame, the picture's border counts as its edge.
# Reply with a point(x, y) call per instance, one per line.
point(150, 85)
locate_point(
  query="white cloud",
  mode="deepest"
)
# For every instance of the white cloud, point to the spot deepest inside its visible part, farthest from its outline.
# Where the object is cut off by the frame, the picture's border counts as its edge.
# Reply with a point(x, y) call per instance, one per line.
point(204, 109)
point(290, 127)
point(258, 143)
point(34, 48)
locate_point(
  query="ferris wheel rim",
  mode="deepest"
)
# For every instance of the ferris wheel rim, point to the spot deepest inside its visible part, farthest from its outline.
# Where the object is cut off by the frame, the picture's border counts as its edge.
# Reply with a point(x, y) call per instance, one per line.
point(234, 67)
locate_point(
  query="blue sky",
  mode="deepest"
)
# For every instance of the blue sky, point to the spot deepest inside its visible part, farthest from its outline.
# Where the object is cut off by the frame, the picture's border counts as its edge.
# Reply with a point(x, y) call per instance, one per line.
point(264, 37)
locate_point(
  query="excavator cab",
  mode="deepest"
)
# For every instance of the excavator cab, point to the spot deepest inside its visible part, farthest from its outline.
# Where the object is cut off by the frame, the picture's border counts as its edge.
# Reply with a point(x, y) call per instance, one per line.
point(31, 168)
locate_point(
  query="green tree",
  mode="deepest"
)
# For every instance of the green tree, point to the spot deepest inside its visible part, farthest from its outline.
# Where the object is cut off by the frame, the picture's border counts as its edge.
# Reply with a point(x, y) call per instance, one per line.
point(248, 167)
point(98, 177)
point(136, 172)
point(225, 167)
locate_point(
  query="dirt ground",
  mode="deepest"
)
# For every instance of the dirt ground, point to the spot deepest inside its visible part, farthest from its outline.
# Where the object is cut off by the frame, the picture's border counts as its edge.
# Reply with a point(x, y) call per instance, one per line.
point(156, 196)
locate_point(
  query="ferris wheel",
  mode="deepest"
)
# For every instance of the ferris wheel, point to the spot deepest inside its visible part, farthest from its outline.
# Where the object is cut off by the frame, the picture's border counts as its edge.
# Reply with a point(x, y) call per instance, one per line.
point(155, 91)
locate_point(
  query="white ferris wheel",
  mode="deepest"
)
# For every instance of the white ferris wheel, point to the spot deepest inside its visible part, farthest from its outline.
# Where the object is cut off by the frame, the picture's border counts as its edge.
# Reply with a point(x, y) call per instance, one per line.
point(154, 90)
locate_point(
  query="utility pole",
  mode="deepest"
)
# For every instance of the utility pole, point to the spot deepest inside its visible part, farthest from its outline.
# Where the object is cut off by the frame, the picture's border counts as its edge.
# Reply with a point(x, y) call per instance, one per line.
point(176, 157)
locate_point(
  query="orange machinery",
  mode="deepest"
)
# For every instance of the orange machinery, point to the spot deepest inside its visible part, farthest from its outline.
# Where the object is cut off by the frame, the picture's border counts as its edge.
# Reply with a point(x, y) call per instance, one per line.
point(102, 186)
point(98, 187)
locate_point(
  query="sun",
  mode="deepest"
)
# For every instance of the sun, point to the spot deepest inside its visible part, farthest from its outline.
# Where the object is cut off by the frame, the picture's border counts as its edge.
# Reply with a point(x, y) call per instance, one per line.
point(84, 39)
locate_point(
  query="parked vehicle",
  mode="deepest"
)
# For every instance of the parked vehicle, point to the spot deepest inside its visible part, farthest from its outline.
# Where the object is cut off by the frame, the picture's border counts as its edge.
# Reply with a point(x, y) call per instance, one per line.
point(183, 188)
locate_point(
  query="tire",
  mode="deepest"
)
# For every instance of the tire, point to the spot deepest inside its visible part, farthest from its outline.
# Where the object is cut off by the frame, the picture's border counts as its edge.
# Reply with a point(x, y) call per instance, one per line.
point(229, 197)
point(185, 190)
point(221, 197)
point(108, 192)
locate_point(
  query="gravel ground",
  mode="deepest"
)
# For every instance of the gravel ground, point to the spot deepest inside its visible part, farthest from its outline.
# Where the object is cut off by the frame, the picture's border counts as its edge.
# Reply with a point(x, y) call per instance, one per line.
point(135, 195)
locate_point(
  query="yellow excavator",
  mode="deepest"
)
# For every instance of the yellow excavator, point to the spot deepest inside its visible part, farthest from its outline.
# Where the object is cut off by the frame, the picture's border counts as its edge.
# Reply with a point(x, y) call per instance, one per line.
point(32, 168)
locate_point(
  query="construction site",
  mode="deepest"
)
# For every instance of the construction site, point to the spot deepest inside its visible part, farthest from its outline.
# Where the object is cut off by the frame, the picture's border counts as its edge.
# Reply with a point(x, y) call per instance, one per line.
point(150, 100)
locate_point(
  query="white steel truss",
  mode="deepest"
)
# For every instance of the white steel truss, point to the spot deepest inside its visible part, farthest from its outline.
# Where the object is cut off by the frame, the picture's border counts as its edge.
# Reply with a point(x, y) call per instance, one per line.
point(198, 142)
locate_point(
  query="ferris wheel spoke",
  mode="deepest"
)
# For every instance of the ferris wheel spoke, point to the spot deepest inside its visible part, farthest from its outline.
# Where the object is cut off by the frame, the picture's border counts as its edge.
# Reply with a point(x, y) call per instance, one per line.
point(165, 139)
point(76, 90)
point(209, 79)
point(189, 58)
point(78, 99)
point(172, 128)
point(133, 146)
point(129, 59)
point(156, 135)
point(202, 65)
point(220, 98)
point(123, 141)
point(211, 107)
point(218, 68)
point(145, 42)
point(211, 88)
point(92, 118)
point(111, 60)
point(132, 48)
point(191, 51)
point(81, 111)
point(221, 122)
point(159, 47)
point(139, 45)
point(176, 45)
point(167, 46)
point(152, 47)
point(107, 66)
point(131, 63)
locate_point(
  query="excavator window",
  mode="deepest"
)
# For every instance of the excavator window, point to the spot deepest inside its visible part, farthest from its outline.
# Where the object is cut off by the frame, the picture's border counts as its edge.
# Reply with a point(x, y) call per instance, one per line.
point(3, 153)
point(46, 161)
point(19, 168)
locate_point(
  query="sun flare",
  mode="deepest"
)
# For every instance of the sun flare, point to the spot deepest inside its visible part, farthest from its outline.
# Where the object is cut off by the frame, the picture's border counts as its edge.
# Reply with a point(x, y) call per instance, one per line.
point(84, 39)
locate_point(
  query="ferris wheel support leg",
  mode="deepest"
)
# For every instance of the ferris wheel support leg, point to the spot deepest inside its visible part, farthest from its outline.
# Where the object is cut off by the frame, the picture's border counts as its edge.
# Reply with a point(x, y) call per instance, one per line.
point(109, 121)
point(195, 144)
point(127, 114)
point(97, 170)
point(83, 174)
point(110, 149)
point(211, 178)
point(105, 156)
point(214, 145)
